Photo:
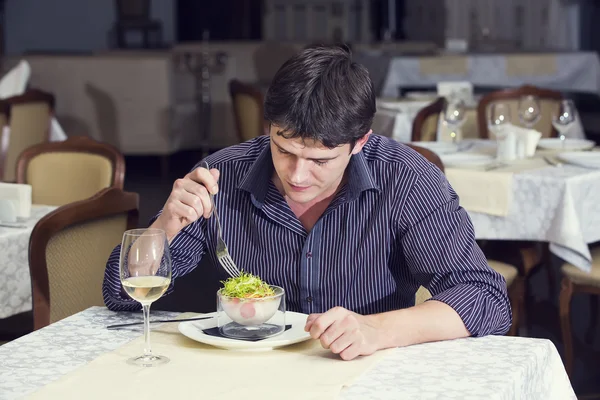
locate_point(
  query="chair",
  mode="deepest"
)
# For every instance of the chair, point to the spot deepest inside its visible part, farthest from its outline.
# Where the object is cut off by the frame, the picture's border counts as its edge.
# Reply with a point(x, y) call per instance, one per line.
point(248, 110)
point(68, 250)
point(514, 284)
point(427, 123)
point(577, 281)
point(549, 102)
point(73, 170)
point(29, 118)
point(134, 15)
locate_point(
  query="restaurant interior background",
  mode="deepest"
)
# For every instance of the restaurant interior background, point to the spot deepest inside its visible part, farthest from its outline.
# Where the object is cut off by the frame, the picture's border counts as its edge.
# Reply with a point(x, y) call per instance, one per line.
point(155, 84)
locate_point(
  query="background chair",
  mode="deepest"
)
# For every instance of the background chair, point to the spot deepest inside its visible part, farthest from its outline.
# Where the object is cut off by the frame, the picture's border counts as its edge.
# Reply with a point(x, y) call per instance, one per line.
point(29, 118)
point(577, 281)
point(549, 102)
point(68, 250)
point(427, 123)
point(73, 170)
point(248, 110)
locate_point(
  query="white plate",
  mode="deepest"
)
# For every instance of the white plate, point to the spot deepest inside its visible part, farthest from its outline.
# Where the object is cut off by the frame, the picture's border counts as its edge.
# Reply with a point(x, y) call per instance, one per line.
point(296, 334)
point(438, 147)
point(466, 160)
point(586, 159)
point(569, 144)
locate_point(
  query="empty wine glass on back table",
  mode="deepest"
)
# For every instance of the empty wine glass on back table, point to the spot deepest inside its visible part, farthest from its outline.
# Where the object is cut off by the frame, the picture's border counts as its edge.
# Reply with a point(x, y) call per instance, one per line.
point(499, 117)
point(529, 111)
point(454, 116)
point(564, 119)
point(145, 266)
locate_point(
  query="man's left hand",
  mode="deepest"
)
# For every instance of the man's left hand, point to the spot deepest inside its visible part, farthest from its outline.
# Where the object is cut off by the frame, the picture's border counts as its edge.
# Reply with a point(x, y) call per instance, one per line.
point(345, 333)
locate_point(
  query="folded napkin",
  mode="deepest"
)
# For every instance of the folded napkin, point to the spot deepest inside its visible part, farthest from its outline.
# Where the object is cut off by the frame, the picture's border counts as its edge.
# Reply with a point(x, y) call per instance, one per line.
point(15, 81)
point(524, 65)
point(20, 195)
point(487, 192)
point(300, 371)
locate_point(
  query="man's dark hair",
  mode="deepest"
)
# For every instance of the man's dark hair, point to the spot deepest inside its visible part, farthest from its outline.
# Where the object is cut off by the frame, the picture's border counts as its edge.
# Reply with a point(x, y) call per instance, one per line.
point(320, 94)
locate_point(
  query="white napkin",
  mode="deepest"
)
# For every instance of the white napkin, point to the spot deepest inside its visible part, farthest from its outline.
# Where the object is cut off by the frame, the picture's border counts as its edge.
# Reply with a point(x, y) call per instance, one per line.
point(19, 195)
point(15, 81)
point(513, 139)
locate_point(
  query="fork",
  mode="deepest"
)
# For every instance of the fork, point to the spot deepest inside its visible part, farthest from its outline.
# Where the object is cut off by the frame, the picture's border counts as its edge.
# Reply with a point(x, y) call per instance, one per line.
point(222, 253)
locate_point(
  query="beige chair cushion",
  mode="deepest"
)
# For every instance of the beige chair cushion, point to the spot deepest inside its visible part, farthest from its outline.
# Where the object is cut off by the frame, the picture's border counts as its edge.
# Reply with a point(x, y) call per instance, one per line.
point(76, 259)
point(578, 276)
point(548, 107)
point(429, 128)
point(422, 295)
point(29, 125)
point(509, 272)
point(249, 115)
point(59, 178)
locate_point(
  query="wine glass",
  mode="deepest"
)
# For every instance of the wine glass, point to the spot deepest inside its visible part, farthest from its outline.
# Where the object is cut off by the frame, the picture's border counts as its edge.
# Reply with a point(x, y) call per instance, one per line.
point(529, 110)
point(564, 119)
point(499, 117)
point(145, 267)
point(454, 116)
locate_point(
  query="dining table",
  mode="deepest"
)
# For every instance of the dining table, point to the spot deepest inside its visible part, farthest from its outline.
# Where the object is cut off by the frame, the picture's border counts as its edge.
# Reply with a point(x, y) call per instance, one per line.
point(15, 279)
point(53, 362)
point(541, 198)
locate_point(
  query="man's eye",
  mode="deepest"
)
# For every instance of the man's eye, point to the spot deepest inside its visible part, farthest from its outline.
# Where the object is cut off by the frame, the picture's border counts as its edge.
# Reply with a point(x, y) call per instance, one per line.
point(320, 162)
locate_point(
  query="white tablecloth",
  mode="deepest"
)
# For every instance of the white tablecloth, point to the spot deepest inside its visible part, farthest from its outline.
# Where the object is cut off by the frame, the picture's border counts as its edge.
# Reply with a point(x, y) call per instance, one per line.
point(558, 205)
point(495, 367)
point(578, 71)
point(550, 204)
point(15, 280)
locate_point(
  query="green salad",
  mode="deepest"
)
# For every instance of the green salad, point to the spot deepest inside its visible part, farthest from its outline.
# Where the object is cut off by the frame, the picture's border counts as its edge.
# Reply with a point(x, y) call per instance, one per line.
point(246, 286)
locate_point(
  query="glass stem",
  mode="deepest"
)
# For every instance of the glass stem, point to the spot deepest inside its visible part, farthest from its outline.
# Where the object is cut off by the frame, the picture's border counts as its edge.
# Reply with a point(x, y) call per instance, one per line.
point(147, 349)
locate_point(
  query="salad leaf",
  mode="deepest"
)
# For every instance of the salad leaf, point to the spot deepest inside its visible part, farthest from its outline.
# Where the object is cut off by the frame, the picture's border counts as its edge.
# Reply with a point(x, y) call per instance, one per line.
point(246, 286)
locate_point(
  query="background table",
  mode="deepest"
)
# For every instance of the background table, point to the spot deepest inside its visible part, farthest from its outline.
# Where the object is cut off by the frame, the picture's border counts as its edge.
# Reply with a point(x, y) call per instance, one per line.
point(494, 367)
point(15, 280)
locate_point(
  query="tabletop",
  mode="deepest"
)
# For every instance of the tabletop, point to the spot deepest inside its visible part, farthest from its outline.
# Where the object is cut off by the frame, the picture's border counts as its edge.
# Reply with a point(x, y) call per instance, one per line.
point(493, 367)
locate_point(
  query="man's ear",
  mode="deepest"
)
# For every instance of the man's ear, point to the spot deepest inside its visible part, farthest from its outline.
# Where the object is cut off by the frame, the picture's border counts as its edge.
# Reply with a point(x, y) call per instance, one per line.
point(360, 143)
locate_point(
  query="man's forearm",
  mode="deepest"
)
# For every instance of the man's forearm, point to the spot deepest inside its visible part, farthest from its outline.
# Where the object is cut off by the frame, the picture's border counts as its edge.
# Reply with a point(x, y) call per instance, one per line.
point(428, 322)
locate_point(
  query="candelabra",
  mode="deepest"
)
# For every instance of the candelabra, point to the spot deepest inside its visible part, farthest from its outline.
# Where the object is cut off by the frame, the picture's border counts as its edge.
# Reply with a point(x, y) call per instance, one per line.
point(202, 64)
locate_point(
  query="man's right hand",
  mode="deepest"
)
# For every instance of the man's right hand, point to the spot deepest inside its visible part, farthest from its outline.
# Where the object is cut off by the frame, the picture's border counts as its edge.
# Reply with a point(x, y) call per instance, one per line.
point(189, 201)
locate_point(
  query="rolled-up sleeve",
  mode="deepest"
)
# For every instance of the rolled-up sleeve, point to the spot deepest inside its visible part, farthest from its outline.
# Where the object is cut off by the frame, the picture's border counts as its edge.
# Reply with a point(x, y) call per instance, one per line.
point(438, 241)
point(187, 249)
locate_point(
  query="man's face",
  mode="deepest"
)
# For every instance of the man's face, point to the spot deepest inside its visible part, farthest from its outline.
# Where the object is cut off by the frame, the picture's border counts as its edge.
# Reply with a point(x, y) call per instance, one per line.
point(308, 171)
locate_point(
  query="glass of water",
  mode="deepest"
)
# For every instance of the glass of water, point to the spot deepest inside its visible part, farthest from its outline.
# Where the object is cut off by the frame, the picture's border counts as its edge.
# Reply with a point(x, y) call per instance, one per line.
point(145, 266)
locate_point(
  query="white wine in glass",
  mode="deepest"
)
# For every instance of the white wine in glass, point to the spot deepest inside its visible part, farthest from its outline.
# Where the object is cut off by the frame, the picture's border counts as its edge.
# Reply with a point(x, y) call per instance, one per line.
point(145, 266)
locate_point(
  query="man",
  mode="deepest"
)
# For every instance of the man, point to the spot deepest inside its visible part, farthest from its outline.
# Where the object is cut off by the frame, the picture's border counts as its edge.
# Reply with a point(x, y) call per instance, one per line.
point(349, 223)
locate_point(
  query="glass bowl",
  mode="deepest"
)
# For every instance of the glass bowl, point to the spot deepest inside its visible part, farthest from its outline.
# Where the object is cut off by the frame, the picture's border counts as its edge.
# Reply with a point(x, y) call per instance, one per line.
point(251, 319)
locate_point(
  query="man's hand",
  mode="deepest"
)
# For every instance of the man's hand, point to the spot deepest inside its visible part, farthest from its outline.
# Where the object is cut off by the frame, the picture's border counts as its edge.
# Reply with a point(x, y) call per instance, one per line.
point(345, 333)
point(188, 202)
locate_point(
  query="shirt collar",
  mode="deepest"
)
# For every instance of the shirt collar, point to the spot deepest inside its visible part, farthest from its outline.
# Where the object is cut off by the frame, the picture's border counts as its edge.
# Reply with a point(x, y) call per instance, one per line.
point(257, 179)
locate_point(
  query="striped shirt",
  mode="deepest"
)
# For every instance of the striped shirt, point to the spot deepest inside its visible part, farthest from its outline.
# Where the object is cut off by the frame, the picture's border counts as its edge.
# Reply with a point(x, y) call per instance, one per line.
point(397, 224)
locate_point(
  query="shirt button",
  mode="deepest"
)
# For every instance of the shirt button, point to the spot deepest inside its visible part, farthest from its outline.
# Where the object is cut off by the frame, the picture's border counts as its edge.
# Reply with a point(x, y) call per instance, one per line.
point(309, 299)
point(308, 255)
